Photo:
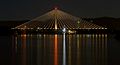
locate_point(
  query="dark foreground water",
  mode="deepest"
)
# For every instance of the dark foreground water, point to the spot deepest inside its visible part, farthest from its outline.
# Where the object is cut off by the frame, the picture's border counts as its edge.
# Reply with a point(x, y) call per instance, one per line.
point(77, 49)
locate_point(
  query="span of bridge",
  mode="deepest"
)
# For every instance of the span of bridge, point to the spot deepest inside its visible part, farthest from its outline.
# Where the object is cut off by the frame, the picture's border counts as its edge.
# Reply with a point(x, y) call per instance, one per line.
point(56, 20)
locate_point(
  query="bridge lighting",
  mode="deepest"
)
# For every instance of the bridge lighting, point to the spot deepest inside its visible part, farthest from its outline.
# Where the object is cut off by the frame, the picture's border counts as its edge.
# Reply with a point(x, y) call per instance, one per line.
point(38, 28)
point(64, 30)
point(44, 28)
point(96, 28)
point(105, 28)
point(69, 31)
point(56, 19)
point(55, 8)
point(78, 21)
point(31, 28)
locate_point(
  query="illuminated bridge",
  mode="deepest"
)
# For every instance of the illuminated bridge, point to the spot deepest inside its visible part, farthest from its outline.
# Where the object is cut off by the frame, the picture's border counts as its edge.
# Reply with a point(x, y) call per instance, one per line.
point(55, 21)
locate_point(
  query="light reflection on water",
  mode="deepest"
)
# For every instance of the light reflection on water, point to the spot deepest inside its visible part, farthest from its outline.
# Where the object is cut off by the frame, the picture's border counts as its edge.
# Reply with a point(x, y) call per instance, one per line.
point(80, 49)
point(56, 50)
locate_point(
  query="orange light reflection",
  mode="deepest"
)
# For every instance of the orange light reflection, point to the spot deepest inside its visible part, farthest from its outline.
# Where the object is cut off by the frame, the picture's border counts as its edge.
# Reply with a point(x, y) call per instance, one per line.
point(56, 51)
point(23, 49)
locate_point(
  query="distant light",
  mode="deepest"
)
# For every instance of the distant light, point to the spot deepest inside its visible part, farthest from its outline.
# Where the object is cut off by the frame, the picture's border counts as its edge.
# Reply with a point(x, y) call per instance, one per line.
point(69, 31)
point(38, 28)
point(92, 28)
point(56, 8)
point(96, 28)
point(44, 28)
point(105, 28)
point(78, 21)
point(102, 28)
point(64, 30)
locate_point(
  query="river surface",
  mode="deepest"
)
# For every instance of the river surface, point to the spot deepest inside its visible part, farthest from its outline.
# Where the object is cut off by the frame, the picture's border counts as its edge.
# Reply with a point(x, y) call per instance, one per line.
point(68, 49)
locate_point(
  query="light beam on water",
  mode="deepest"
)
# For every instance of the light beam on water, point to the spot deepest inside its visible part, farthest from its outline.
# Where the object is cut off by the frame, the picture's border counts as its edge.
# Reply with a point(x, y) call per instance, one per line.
point(64, 50)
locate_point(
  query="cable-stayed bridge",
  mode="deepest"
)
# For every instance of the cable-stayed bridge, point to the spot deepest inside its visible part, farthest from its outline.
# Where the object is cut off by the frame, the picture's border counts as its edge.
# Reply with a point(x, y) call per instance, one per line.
point(57, 20)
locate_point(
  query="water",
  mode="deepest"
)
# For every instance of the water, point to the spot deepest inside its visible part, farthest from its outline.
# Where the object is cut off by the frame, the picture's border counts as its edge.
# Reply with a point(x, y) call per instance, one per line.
point(48, 49)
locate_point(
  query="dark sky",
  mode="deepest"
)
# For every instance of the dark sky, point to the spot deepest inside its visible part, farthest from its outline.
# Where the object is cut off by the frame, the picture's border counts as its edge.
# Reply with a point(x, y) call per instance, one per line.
point(29, 9)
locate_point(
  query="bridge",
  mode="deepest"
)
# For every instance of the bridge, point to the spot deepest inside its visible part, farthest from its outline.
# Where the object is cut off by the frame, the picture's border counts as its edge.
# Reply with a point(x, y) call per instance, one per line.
point(56, 20)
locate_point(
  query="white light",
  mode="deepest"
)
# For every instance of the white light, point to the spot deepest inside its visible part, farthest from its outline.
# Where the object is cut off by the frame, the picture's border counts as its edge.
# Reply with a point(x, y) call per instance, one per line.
point(38, 28)
point(64, 30)
point(64, 48)
point(44, 28)
point(105, 28)
point(102, 28)
point(96, 28)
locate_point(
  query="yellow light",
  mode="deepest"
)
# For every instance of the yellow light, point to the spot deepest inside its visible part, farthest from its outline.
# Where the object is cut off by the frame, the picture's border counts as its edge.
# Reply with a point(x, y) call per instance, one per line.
point(55, 26)
point(78, 21)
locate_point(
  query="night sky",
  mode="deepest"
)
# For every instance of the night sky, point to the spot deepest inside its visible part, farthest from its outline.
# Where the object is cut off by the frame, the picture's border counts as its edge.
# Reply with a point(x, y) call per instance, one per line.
point(29, 9)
